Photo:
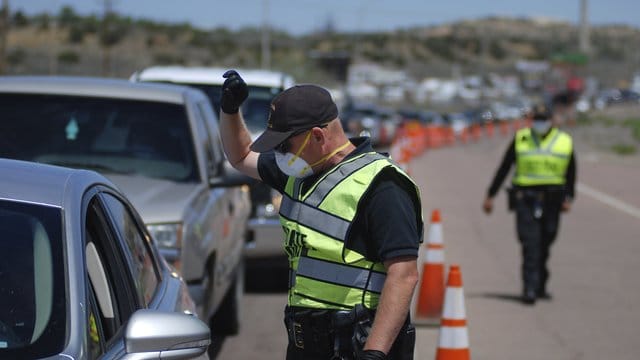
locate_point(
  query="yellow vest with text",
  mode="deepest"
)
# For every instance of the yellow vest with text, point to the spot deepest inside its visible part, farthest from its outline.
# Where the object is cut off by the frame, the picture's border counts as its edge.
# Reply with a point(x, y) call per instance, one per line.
point(542, 161)
point(324, 273)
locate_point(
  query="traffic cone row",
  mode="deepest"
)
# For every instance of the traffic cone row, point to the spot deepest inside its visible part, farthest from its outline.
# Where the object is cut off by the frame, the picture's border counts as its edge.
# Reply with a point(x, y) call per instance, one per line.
point(400, 150)
point(415, 137)
point(435, 303)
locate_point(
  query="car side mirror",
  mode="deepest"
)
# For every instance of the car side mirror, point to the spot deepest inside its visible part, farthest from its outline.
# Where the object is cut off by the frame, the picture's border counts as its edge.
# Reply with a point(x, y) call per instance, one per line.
point(152, 334)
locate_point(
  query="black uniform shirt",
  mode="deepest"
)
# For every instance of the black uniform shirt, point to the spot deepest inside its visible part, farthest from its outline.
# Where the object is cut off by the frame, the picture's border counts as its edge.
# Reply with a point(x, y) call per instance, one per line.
point(510, 158)
point(386, 223)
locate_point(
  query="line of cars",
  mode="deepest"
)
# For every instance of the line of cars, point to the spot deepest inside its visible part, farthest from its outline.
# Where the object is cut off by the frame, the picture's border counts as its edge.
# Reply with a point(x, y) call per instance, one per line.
point(154, 139)
point(160, 145)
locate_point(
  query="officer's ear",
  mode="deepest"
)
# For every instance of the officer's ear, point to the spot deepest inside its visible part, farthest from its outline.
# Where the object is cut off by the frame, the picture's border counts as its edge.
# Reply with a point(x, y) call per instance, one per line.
point(318, 134)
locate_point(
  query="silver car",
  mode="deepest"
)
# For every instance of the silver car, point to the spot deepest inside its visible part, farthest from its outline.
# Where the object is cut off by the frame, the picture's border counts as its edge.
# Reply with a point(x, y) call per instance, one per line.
point(160, 144)
point(80, 277)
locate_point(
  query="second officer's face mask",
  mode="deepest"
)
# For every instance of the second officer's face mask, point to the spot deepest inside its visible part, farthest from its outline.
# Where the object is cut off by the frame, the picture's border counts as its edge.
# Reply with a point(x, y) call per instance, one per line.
point(541, 126)
point(293, 165)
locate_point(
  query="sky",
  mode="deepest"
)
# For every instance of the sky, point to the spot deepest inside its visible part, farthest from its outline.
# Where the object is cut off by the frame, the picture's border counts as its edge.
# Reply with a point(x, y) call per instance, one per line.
point(303, 16)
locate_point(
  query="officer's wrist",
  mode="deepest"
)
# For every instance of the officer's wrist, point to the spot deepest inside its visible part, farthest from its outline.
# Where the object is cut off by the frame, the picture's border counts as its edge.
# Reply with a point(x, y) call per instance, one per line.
point(230, 111)
point(372, 355)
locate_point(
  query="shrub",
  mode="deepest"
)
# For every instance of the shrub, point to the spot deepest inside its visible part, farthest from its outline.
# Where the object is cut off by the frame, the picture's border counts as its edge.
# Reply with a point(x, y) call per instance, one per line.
point(69, 57)
point(76, 34)
point(634, 125)
point(624, 149)
point(16, 57)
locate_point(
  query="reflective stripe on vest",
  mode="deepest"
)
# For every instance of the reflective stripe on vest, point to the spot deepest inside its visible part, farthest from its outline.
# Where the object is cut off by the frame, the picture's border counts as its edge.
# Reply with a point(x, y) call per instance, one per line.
point(324, 274)
point(344, 275)
point(542, 163)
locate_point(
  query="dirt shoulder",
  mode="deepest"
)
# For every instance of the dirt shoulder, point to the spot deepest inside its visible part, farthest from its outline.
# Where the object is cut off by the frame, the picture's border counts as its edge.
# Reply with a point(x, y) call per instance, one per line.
point(611, 134)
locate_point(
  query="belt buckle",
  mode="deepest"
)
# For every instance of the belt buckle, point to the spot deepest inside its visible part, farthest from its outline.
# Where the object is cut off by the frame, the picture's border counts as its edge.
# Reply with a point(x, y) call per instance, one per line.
point(298, 338)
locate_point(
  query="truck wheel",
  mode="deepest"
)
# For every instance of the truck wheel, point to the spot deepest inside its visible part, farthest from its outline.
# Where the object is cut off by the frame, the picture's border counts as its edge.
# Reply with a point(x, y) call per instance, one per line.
point(226, 321)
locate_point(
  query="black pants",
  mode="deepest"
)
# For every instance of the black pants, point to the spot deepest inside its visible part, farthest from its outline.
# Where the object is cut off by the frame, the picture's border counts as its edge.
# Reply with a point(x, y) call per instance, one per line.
point(320, 330)
point(537, 224)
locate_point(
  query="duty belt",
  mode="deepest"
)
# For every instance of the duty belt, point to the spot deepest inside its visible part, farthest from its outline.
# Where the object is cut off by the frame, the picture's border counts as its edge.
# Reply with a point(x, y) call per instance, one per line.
point(318, 329)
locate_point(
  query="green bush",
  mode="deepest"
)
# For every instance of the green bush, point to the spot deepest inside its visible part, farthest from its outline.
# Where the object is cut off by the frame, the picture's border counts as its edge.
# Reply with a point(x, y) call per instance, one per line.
point(634, 125)
point(16, 56)
point(76, 34)
point(624, 149)
point(168, 59)
point(69, 57)
point(20, 19)
point(584, 119)
point(67, 17)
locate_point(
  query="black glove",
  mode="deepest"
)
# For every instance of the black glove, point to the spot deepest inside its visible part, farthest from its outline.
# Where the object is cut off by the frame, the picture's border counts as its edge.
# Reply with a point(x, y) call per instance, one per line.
point(371, 355)
point(234, 92)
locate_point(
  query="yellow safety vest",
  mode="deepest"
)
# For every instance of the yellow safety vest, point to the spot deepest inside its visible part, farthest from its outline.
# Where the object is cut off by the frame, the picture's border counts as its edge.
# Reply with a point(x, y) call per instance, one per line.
point(324, 274)
point(542, 161)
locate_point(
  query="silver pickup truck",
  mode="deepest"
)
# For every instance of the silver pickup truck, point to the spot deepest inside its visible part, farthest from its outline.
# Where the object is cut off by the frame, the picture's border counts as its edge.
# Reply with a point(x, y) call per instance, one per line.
point(264, 244)
point(161, 146)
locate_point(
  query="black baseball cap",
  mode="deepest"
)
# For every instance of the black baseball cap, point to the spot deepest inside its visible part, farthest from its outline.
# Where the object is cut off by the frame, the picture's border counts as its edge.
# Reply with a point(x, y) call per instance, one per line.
point(541, 112)
point(296, 109)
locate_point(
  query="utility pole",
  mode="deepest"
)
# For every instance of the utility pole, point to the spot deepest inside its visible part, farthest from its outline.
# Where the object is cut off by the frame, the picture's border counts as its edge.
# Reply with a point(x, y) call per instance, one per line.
point(585, 46)
point(4, 33)
point(484, 51)
point(265, 41)
point(106, 34)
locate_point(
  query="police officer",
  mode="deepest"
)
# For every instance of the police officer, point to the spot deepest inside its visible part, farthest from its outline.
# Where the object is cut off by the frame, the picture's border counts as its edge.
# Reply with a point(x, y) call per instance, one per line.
point(542, 187)
point(352, 225)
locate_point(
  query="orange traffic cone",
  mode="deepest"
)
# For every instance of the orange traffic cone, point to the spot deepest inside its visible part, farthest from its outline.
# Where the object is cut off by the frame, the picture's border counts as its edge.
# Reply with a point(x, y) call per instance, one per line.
point(431, 293)
point(453, 340)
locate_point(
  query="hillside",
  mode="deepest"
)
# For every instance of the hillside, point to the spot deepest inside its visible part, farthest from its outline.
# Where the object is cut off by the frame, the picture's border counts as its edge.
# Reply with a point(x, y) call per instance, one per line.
point(71, 44)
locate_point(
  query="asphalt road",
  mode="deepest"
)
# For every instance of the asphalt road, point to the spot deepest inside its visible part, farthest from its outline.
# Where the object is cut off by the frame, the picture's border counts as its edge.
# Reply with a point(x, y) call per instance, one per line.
point(595, 310)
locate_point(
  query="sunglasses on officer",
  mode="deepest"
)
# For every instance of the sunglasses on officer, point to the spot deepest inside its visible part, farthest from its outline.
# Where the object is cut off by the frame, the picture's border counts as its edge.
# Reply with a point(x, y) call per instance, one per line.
point(285, 146)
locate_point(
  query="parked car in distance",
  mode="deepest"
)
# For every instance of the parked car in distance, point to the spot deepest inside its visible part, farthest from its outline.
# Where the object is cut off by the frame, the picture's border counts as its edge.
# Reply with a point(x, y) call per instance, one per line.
point(458, 122)
point(424, 117)
point(368, 119)
point(81, 277)
point(160, 144)
point(264, 238)
point(609, 97)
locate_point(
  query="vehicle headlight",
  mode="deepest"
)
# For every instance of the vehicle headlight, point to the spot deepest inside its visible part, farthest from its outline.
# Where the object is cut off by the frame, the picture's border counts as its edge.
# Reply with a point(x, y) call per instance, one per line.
point(167, 235)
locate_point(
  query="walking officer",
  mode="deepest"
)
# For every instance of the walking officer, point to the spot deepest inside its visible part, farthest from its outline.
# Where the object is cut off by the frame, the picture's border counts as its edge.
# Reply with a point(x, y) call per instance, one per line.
point(542, 187)
point(352, 224)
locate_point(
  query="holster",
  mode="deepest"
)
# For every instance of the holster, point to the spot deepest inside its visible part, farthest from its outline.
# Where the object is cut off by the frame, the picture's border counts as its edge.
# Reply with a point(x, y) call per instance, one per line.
point(511, 198)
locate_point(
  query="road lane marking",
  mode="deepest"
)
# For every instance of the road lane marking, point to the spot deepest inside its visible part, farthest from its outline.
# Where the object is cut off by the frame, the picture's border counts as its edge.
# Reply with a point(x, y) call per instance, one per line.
point(609, 200)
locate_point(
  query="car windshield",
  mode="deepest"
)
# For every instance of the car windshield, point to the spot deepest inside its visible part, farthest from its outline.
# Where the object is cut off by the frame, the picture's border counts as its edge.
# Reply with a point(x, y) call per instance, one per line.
point(255, 110)
point(112, 136)
point(32, 281)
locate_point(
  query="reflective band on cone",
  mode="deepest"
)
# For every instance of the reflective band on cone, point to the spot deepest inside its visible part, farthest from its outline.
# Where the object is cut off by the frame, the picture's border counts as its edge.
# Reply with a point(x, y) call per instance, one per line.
point(431, 291)
point(453, 340)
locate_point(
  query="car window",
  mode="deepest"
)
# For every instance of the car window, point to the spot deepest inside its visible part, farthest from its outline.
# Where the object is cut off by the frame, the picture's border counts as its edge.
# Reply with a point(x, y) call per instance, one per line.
point(32, 281)
point(211, 121)
point(109, 279)
point(95, 333)
point(140, 258)
point(255, 110)
point(203, 137)
point(109, 135)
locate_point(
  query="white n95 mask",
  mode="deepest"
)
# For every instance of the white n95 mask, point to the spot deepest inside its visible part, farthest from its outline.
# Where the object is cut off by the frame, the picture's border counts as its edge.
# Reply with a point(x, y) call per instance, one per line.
point(293, 165)
point(541, 127)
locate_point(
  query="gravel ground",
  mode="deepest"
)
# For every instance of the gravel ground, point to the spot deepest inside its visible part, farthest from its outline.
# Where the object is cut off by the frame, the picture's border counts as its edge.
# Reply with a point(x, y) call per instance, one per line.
point(596, 138)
